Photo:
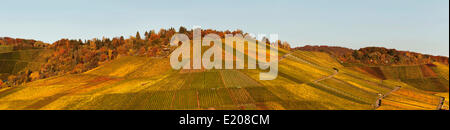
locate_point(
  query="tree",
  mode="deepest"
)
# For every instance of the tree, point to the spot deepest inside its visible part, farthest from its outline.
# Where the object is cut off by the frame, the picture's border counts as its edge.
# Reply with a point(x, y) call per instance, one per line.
point(92, 44)
point(138, 36)
point(110, 54)
point(142, 51)
point(103, 57)
point(146, 35)
point(12, 79)
point(182, 30)
point(131, 52)
point(34, 76)
point(286, 45)
point(122, 50)
point(39, 44)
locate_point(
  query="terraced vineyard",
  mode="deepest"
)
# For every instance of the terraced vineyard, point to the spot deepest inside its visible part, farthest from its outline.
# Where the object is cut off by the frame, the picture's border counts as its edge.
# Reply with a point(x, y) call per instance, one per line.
point(430, 77)
point(12, 62)
point(402, 72)
point(141, 83)
point(5, 48)
point(410, 100)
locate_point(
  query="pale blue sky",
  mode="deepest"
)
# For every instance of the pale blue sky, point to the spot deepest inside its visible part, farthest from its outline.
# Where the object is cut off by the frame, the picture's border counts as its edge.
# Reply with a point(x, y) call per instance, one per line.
point(415, 25)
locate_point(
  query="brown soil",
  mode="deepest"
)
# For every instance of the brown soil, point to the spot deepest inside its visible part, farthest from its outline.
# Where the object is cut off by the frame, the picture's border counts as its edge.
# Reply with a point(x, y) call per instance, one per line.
point(427, 71)
point(375, 71)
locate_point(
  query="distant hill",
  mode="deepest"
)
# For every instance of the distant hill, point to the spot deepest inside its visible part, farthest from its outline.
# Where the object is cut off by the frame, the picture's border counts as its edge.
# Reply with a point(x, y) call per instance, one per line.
point(20, 44)
point(376, 56)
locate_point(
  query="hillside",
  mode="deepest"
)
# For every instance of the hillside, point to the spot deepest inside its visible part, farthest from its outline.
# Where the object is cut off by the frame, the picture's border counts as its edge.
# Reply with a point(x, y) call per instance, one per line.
point(306, 80)
point(376, 56)
point(19, 58)
point(21, 61)
point(135, 73)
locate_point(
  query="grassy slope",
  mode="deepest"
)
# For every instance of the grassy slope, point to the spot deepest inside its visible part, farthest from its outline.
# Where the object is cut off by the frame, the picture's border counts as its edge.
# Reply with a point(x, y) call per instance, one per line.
point(425, 85)
point(349, 89)
point(422, 77)
point(296, 87)
point(5, 48)
point(149, 83)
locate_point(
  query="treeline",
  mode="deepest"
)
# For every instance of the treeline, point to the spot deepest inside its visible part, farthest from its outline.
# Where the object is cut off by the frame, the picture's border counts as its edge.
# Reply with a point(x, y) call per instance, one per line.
point(376, 55)
point(21, 44)
point(78, 56)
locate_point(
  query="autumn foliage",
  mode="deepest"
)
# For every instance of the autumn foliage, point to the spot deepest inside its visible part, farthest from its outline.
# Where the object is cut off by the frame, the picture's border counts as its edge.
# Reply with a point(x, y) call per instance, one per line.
point(21, 44)
point(78, 56)
point(377, 56)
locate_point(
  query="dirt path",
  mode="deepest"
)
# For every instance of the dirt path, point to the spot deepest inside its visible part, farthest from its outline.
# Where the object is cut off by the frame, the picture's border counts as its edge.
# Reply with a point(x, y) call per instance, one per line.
point(438, 107)
point(381, 97)
point(328, 77)
point(393, 90)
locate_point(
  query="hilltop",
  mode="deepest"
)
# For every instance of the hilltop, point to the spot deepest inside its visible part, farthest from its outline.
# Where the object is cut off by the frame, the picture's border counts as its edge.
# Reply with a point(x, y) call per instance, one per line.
point(376, 56)
point(307, 80)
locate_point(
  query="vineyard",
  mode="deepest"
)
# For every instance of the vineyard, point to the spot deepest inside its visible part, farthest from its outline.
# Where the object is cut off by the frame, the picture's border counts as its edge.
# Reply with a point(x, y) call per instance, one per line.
point(17, 61)
point(429, 84)
point(428, 72)
point(375, 71)
point(424, 77)
point(442, 70)
point(142, 83)
point(4, 48)
point(410, 100)
point(402, 72)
